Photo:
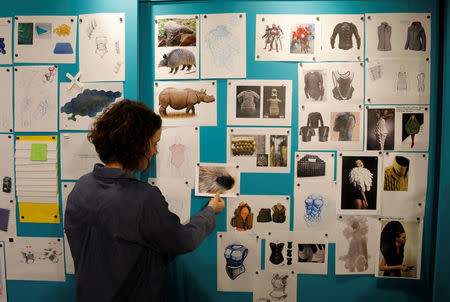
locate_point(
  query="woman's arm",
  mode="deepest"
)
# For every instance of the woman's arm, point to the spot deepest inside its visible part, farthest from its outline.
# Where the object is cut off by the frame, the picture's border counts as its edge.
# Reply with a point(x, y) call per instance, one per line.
point(385, 267)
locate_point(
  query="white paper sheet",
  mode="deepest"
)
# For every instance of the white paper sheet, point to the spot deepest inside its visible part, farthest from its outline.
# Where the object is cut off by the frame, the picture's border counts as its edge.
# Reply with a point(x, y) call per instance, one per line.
point(406, 140)
point(223, 46)
point(102, 47)
point(178, 153)
point(405, 184)
point(356, 245)
point(380, 127)
point(78, 155)
point(177, 38)
point(315, 207)
point(36, 98)
point(342, 127)
point(66, 188)
point(331, 83)
point(301, 252)
point(79, 107)
point(243, 252)
point(212, 178)
point(314, 166)
point(259, 102)
point(6, 85)
point(27, 171)
point(45, 39)
point(7, 199)
point(412, 249)
point(387, 35)
point(275, 285)
point(359, 174)
point(342, 37)
point(398, 81)
point(256, 150)
point(35, 258)
point(261, 208)
point(186, 103)
point(3, 290)
point(298, 37)
point(6, 35)
point(177, 193)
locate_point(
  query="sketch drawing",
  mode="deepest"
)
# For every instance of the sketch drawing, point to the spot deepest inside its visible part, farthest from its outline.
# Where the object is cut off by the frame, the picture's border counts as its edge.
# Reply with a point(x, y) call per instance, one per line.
point(176, 58)
point(314, 206)
point(89, 103)
point(180, 99)
point(357, 257)
point(273, 37)
point(215, 179)
point(50, 75)
point(279, 284)
point(101, 42)
point(235, 255)
point(46, 255)
point(421, 83)
point(90, 29)
point(302, 41)
point(2, 46)
point(177, 32)
point(223, 46)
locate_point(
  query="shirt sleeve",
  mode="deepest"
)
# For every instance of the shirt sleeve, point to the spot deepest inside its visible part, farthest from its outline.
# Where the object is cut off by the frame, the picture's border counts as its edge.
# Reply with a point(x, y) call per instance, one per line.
point(162, 230)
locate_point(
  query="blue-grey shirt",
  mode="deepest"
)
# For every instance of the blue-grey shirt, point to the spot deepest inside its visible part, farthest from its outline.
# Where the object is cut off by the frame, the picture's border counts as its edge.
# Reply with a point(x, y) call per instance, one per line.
point(120, 233)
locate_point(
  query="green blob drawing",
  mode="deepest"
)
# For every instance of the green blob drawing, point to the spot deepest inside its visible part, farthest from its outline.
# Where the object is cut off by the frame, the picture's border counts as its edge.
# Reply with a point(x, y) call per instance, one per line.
point(25, 31)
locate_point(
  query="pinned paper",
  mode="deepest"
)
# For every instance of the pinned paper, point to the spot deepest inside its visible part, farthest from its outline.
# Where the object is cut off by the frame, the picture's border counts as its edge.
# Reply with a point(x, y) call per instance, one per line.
point(39, 152)
point(39, 212)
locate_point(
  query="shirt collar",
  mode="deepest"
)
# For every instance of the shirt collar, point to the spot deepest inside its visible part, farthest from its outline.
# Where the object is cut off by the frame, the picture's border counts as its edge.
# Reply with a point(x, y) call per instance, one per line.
point(101, 171)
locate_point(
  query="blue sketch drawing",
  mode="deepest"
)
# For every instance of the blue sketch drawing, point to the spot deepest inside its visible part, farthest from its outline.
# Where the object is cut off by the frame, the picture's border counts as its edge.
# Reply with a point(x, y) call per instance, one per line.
point(89, 103)
point(223, 46)
point(2, 46)
point(314, 204)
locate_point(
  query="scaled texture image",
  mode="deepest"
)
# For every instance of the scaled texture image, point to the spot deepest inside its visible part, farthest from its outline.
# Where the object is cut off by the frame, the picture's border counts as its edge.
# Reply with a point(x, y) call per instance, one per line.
point(89, 103)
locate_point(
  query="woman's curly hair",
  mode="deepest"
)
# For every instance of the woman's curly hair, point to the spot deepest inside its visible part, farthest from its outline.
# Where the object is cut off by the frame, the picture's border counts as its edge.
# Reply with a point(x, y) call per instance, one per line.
point(122, 132)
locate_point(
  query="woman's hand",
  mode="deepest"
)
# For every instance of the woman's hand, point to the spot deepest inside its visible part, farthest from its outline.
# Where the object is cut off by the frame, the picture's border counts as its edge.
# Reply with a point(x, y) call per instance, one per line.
point(217, 203)
point(405, 268)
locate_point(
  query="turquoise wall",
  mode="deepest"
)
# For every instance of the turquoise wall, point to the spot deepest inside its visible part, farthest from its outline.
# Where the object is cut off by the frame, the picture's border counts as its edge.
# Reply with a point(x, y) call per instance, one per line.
point(193, 277)
point(441, 290)
point(19, 291)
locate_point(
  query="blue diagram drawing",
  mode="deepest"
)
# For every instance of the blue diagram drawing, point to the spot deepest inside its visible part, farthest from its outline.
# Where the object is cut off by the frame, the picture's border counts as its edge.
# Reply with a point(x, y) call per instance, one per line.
point(89, 103)
point(223, 46)
point(314, 206)
point(2, 46)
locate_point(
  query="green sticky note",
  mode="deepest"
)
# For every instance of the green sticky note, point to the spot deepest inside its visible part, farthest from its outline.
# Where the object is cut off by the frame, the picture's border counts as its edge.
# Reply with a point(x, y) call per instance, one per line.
point(39, 152)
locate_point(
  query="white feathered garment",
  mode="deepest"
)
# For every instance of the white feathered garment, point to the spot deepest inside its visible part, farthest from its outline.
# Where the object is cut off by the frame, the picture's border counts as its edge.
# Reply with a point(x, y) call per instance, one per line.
point(361, 178)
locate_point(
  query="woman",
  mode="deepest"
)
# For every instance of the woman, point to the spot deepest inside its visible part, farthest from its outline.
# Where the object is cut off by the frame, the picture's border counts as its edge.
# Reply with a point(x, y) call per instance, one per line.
point(361, 179)
point(392, 246)
point(412, 127)
point(119, 228)
point(381, 130)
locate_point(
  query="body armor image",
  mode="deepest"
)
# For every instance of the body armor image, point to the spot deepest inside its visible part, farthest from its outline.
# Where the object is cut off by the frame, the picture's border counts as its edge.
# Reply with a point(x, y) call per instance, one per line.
point(264, 215)
point(279, 287)
point(274, 104)
point(345, 30)
point(279, 213)
point(343, 89)
point(344, 124)
point(243, 217)
point(235, 255)
point(248, 100)
point(314, 85)
point(384, 37)
point(277, 253)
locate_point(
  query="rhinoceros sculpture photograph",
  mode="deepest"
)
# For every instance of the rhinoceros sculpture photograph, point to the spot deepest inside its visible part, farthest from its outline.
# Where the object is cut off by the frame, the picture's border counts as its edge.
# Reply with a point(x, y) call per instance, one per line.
point(179, 99)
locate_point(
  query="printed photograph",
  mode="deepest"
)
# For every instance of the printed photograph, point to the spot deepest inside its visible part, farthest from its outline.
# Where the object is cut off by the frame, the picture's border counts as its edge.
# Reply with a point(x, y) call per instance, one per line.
point(380, 129)
point(310, 165)
point(315, 129)
point(25, 34)
point(302, 38)
point(212, 179)
point(248, 145)
point(248, 101)
point(273, 36)
point(398, 257)
point(179, 59)
point(314, 84)
point(274, 102)
point(177, 32)
point(359, 182)
point(396, 174)
point(182, 103)
point(411, 126)
point(242, 219)
point(309, 252)
point(345, 126)
point(278, 150)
